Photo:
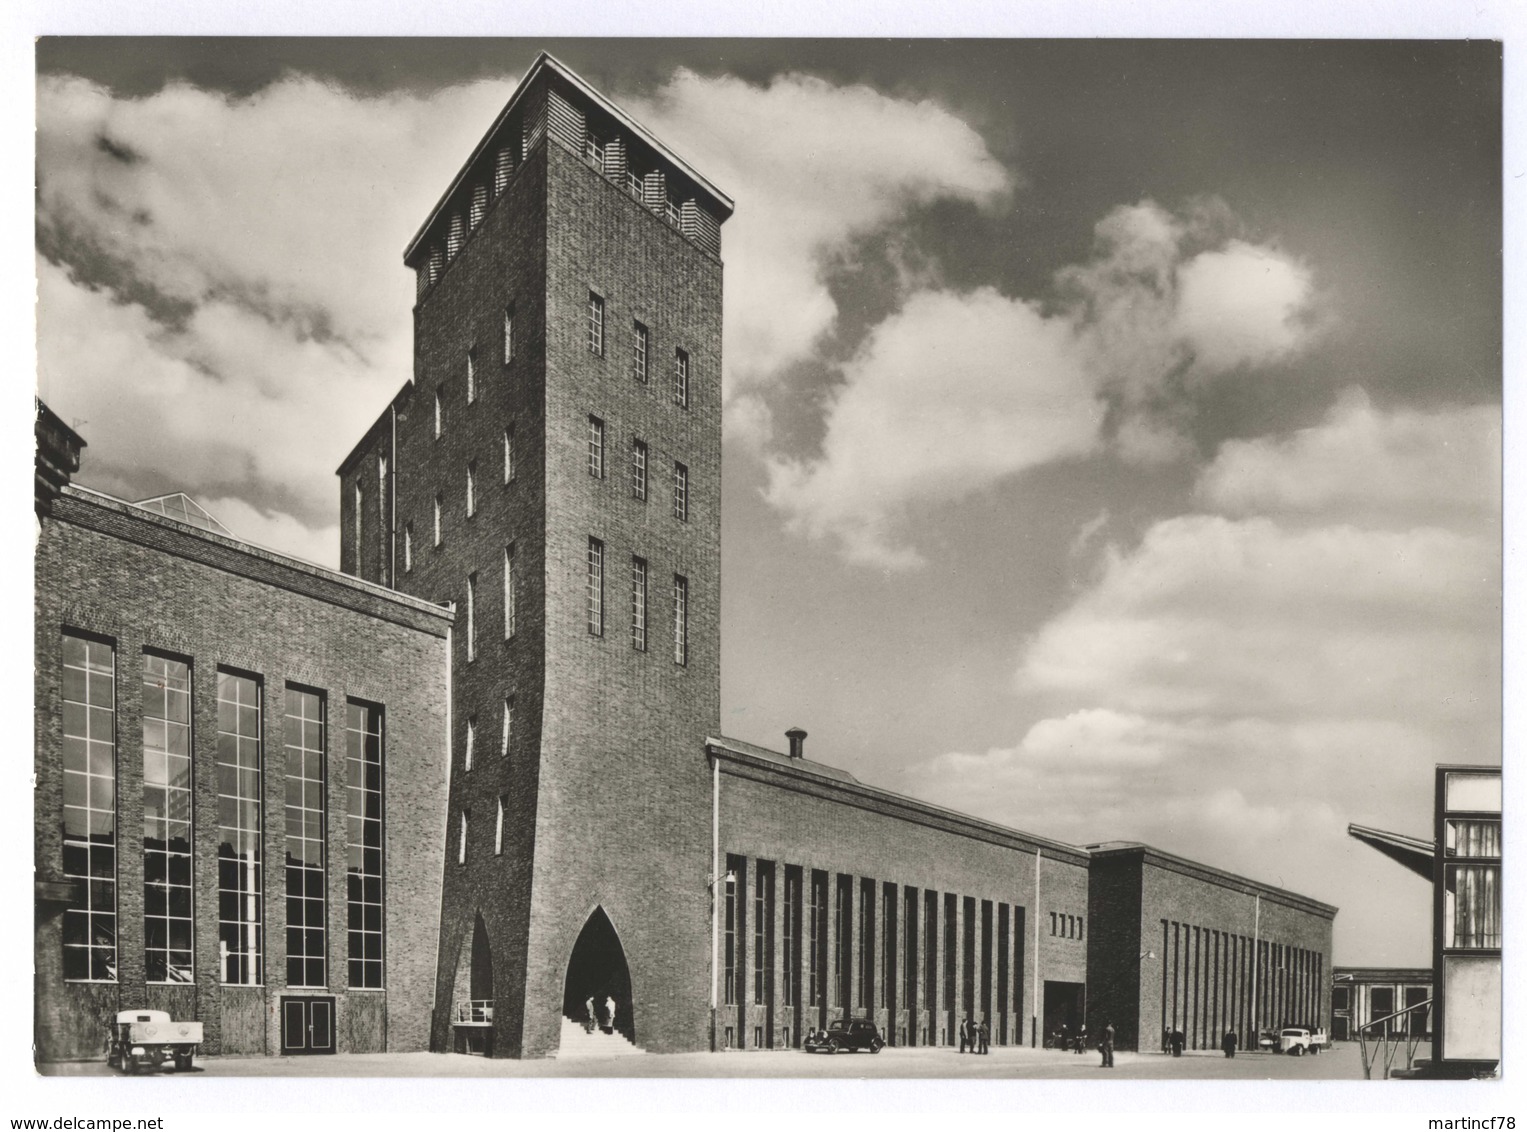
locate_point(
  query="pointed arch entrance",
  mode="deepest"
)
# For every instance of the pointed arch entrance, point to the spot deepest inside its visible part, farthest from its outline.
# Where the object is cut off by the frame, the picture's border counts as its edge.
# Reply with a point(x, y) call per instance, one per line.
point(472, 1003)
point(597, 971)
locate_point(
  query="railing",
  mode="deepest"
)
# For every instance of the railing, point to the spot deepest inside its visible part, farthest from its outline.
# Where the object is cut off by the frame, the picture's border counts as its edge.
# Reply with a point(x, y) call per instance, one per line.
point(477, 1012)
point(1384, 1043)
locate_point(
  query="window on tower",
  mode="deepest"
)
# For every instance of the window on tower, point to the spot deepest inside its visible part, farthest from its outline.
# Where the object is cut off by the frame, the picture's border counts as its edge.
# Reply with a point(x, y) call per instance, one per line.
point(596, 325)
point(472, 375)
point(681, 379)
point(639, 352)
point(680, 619)
point(509, 334)
point(596, 448)
point(639, 604)
point(639, 470)
point(595, 587)
point(681, 493)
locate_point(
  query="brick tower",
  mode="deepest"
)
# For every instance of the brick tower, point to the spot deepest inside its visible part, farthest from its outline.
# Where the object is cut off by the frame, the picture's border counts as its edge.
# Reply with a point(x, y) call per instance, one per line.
point(554, 470)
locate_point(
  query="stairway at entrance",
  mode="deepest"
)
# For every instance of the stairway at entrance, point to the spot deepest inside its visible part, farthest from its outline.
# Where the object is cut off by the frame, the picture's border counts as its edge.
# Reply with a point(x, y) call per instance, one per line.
point(578, 1042)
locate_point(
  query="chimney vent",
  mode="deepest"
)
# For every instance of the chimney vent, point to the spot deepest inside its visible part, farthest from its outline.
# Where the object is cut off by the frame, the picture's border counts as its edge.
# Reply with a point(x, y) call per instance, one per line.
point(797, 739)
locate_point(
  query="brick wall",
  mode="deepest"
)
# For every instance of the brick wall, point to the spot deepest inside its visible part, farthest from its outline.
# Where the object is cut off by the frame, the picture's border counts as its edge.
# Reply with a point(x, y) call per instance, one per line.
point(144, 582)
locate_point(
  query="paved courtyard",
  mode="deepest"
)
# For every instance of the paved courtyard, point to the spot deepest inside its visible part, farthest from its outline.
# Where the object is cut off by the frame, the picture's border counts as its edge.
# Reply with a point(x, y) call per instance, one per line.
point(1341, 1063)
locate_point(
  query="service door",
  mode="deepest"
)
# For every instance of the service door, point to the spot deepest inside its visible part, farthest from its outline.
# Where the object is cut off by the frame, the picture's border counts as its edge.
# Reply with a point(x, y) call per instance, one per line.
point(307, 1025)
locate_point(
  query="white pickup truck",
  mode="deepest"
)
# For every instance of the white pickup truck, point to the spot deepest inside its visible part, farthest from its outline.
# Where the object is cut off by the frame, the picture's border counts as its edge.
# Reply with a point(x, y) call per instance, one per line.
point(1296, 1041)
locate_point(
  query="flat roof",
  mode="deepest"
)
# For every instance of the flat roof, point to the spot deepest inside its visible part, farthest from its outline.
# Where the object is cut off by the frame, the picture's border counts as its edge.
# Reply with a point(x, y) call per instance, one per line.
point(546, 62)
point(261, 564)
point(1160, 858)
point(915, 809)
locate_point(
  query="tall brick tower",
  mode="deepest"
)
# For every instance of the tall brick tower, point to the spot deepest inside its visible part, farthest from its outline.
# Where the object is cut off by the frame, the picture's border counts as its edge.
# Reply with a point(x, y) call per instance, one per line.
point(554, 470)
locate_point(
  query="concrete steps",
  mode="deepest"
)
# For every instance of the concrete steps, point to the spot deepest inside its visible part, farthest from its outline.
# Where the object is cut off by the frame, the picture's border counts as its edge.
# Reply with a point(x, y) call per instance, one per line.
point(577, 1042)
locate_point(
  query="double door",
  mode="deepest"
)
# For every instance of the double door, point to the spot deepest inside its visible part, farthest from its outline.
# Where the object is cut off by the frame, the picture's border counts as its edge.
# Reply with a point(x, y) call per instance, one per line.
point(307, 1025)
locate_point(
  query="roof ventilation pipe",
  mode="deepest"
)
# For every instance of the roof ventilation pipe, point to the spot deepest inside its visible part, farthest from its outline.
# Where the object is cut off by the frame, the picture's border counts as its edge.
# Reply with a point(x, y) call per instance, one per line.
point(797, 739)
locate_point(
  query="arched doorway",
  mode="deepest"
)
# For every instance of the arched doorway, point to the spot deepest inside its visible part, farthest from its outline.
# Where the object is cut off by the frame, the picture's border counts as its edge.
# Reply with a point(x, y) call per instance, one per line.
point(597, 970)
point(472, 1005)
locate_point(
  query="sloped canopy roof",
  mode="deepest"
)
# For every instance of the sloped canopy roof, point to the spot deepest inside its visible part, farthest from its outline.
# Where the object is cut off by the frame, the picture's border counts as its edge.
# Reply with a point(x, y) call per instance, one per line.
point(1415, 853)
point(183, 509)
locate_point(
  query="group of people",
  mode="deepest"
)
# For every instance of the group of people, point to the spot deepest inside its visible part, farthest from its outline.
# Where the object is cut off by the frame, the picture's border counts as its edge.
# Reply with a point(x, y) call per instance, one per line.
point(975, 1037)
point(599, 1013)
point(1174, 1041)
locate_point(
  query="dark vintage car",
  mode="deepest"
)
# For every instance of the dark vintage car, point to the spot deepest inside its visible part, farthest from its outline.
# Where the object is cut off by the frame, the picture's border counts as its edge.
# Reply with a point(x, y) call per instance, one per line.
point(845, 1036)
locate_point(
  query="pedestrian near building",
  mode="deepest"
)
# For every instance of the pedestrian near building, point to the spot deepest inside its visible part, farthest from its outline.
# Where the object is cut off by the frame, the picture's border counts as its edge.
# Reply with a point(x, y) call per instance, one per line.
point(1179, 1039)
point(1105, 1047)
point(984, 1033)
point(1229, 1043)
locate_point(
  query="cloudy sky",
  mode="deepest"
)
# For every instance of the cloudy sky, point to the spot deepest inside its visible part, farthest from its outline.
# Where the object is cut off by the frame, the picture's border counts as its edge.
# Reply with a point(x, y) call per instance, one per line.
point(1113, 429)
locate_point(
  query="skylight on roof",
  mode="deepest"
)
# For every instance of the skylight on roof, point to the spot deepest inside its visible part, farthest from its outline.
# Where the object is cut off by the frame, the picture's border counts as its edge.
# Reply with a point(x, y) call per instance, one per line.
point(183, 509)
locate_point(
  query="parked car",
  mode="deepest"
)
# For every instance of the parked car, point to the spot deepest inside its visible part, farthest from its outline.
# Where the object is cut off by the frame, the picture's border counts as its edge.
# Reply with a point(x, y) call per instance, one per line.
point(845, 1035)
point(146, 1039)
point(1296, 1041)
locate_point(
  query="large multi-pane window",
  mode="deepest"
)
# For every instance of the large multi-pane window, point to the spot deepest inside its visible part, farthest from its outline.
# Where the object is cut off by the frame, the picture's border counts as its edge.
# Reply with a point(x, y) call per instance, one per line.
point(639, 470)
point(680, 619)
point(1472, 893)
point(762, 879)
point(639, 604)
point(595, 588)
point(240, 819)
point(639, 352)
point(90, 808)
point(681, 379)
point(596, 325)
point(306, 920)
point(363, 831)
point(596, 448)
point(509, 610)
point(167, 818)
point(681, 493)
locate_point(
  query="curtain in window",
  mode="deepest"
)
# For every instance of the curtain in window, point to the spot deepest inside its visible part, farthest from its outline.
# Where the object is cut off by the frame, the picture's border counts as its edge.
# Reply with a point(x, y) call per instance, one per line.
point(1476, 906)
point(1476, 838)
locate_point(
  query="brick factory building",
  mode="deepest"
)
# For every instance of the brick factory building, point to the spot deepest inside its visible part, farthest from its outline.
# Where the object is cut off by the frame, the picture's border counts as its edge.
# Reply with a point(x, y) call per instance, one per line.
point(488, 753)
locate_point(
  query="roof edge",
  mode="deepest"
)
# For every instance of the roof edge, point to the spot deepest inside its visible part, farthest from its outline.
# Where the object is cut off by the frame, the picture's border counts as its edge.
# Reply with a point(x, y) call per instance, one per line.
point(546, 61)
point(1160, 857)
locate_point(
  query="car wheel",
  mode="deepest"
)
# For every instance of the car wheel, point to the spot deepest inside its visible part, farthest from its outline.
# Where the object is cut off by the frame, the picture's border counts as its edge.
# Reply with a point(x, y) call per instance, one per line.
point(1297, 1051)
point(877, 1047)
point(182, 1062)
point(832, 1046)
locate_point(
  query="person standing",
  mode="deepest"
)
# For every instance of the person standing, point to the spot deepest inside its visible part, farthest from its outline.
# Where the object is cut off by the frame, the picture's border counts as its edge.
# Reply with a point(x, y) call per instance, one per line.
point(983, 1032)
point(1179, 1039)
point(1229, 1043)
point(1081, 1039)
point(1105, 1047)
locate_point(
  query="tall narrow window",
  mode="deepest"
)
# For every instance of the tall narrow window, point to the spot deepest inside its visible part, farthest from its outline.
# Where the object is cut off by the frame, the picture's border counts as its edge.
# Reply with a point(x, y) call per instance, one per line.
point(365, 839)
point(508, 334)
point(240, 819)
point(508, 730)
point(763, 878)
point(471, 745)
point(639, 604)
point(681, 379)
point(509, 454)
point(360, 509)
point(498, 829)
point(408, 546)
point(439, 506)
point(90, 809)
point(439, 412)
point(596, 587)
point(167, 820)
point(596, 448)
point(306, 947)
point(816, 937)
point(790, 935)
point(471, 489)
point(639, 352)
point(681, 493)
point(479, 204)
point(471, 617)
point(680, 619)
point(509, 611)
point(472, 375)
point(503, 166)
point(461, 839)
point(639, 470)
point(729, 970)
point(596, 325)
